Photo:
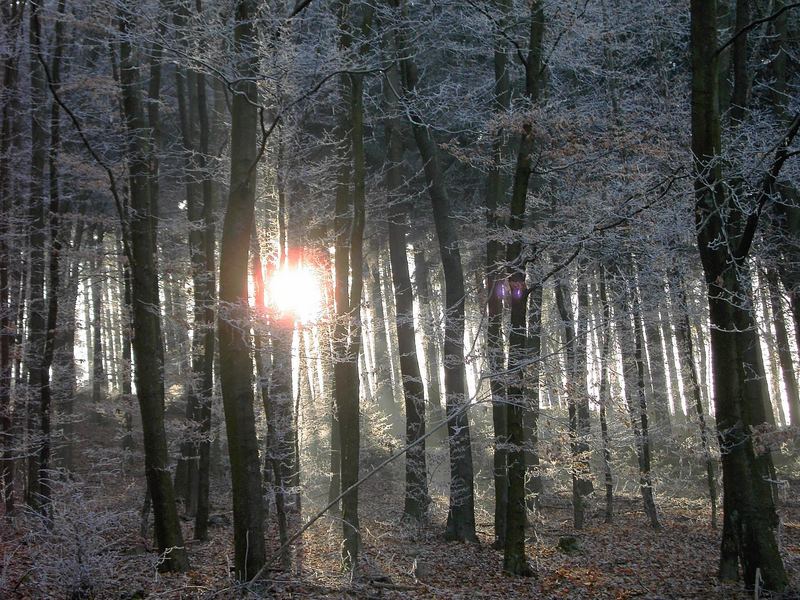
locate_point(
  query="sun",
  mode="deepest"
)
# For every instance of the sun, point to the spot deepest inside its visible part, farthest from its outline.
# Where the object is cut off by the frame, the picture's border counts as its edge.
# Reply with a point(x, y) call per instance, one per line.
point(295, 292)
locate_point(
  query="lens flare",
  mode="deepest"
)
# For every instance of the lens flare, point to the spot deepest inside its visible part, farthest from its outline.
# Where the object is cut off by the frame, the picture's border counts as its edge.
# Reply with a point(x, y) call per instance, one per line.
point(295, 293)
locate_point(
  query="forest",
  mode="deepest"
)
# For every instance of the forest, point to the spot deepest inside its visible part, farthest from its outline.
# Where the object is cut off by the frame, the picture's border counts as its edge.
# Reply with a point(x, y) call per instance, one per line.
point(399, 299)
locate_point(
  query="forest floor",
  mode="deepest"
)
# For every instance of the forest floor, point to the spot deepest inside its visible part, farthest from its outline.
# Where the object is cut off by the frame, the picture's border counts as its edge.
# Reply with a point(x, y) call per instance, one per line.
point(625, 559)
point(95, 550)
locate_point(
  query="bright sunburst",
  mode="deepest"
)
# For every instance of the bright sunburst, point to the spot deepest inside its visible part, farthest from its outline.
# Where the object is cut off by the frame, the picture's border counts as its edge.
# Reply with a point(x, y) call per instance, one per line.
point(295, 292)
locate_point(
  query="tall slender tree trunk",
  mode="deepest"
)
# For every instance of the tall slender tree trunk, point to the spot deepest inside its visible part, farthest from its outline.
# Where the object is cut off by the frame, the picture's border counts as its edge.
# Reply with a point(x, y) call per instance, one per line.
point(126, 320)
point(496, 288)
point(673, 365)
point(282, 461)
point(65, 381)
point(461, 513)
point(630, 337)
point(784, 350)
point(281, 435)
point(349, 227)
point(236, 366)
point(604, 318)
point(575, 331)
point(417, 498)
point(204, 369)
point(53, 282)
point(515, 559)
point(12, 16)
point(37, 308)
point(692, 383)
point(533, 478)
point(146, 321)
point(186, 470)
point(763, 317)
point(429, 330)
point(658, 376)
point(99, 381)
point(749, 517)
point(381, 367)
point(329, 349)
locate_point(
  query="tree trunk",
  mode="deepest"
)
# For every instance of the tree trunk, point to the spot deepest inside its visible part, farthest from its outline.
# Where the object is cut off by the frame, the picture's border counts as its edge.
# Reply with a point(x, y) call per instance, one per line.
point(186, 470)
point(417, 498)
point(126, 319)
point(575, 332)
point(784, 350)
point(204, 369)
point(53, 285)
point(534, 485)
point(673, 365)
point(12, 16)
point(382, 368)
point(604, 318)
point(749, 518)
point(99, 383)
point(37, 308)
point(461, 513)
point(515, 559)
point(146, 321)
point(64, 381)
point(349, 228)
point(236, 366)
point(692, 382)
point(496, 288)
point(429, 330)
point(630, 336)
point(658, 376)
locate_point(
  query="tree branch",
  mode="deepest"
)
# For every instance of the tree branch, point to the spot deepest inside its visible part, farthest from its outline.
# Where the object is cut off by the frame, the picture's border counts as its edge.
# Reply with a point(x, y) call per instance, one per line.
point(112, 180)
point(754, 24)
point(767, 187)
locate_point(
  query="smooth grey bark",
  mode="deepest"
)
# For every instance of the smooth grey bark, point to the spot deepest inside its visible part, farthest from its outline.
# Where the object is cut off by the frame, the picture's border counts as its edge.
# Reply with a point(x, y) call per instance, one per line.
point(235, 364)
point(37, 309)
point(658, 376)
point(461, 512)
point(430, 337)
point(496, 287)
point(348, 225)
point(206, 366)
point(417, 498)
point(12, 16)
point(64, 381)
point(54, 268)
point(673, 367)
point(382, 368)
point(533, 478)
point(604, 319)
point(575, 332)
point(692, 384)
point(99, 381)
point(186, 471)
point(631, 342)
point(765, 333)
point(749, 517)
point(515, 561)
point(783, 349)
point(147, 343)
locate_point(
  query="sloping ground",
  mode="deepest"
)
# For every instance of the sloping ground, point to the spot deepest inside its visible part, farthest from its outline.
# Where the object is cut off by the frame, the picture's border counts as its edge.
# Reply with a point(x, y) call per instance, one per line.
point(95, 550)
point(617, 561)
point(621, 560)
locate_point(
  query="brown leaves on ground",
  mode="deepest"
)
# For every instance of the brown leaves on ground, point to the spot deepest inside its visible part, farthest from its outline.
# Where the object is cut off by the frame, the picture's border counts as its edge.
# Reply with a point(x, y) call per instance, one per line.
point(622, 560)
